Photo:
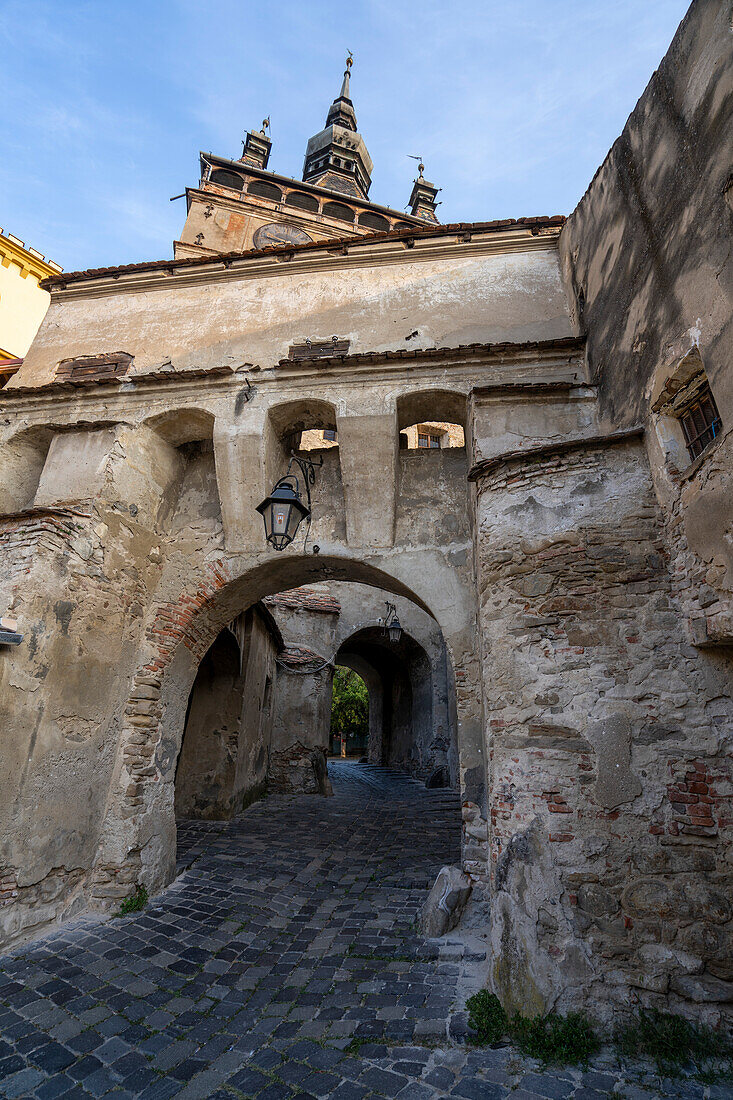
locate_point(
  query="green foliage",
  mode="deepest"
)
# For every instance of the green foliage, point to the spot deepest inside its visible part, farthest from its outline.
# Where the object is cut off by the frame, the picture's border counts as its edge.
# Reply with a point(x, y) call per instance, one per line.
point(349, 704)
point(567, 1040)
point(673, 1042)
point(134, 903)
point(487, 1018)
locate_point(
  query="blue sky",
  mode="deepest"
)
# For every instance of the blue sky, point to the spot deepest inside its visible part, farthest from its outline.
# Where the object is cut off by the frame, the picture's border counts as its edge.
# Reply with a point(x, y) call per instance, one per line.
point(105, 105)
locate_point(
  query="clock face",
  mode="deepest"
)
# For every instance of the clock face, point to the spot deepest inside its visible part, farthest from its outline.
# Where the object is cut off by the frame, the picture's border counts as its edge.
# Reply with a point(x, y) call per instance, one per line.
point(279, 233)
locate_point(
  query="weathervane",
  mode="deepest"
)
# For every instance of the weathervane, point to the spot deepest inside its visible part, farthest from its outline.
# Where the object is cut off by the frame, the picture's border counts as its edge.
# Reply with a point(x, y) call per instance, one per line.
point(420, 166)
point(349, 59)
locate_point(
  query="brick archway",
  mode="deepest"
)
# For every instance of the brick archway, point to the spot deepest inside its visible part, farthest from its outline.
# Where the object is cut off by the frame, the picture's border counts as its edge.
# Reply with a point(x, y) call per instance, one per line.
point(137, 842)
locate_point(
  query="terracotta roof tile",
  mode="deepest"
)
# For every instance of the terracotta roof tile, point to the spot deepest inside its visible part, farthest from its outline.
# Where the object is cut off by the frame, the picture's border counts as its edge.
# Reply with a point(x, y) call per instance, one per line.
point(88, 383)
point(561, 343)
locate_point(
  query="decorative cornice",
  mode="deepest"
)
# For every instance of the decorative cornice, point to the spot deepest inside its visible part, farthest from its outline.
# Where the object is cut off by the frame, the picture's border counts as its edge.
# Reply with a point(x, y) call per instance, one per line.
point(213, 381)
point(396, 245)
point(547, 450)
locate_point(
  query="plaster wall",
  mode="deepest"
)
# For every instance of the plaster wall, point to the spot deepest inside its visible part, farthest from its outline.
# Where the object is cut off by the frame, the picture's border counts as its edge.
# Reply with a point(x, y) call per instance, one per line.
point(205, 770)
point(255, 317)
point(222, 764)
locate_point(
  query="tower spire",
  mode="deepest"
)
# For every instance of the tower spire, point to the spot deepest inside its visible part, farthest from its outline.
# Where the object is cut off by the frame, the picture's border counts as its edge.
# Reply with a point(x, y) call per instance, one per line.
point(337, 157)
point(341, 111)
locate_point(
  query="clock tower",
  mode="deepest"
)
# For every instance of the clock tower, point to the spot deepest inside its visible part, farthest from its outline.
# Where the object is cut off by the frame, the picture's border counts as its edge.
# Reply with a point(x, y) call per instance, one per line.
point(240, 204)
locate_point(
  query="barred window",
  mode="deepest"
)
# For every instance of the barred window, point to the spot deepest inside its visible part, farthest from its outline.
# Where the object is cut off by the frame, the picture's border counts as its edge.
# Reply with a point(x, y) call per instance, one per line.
point(700, 421)
point(428, 440)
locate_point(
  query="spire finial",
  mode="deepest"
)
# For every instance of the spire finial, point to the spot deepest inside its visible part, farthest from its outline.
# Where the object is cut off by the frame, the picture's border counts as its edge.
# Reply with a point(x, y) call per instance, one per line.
point(347, 73)
point(265, 124)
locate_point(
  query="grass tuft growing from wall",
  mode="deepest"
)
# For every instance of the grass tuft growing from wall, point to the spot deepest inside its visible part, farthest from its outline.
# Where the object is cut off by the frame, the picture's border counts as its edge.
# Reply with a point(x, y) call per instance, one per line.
point(565, 1040)
point(134, 903)
point(673, 1043)
point(487, 1018)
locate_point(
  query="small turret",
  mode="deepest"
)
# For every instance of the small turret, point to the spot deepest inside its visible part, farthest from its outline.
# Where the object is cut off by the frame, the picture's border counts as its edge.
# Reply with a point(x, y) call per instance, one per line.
point(422, 200)
point(257, 147)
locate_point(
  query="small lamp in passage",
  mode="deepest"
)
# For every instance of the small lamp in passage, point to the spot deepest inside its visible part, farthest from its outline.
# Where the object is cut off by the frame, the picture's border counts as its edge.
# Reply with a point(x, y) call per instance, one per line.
point(392, 624)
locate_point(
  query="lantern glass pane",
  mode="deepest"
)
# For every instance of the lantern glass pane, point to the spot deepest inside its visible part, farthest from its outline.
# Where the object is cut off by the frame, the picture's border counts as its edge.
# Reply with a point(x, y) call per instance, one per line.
point(281, 513)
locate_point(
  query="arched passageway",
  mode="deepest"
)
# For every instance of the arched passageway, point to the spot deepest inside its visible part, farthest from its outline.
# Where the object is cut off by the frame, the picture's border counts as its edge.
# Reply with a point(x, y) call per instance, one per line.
point(140, 829)
point(349, 732)
point(259, 713)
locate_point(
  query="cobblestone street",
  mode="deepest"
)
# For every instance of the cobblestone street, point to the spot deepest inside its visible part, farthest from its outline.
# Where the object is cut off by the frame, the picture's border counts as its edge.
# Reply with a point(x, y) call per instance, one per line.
point(283, 962)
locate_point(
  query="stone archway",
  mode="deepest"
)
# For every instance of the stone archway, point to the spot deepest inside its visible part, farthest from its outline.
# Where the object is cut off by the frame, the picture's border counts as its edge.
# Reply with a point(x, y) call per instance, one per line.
point(399, 677)
point(138, 834)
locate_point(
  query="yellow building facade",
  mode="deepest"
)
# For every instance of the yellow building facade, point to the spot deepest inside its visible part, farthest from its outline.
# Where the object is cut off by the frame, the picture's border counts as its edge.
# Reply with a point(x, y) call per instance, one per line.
point(23, 303)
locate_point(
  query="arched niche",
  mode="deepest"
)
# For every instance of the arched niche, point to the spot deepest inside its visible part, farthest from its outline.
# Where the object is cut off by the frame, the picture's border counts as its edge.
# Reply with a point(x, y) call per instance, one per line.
point(432, 406)
point(185, 425)
point(298, 427)
point(22, 459)
point(222, 178)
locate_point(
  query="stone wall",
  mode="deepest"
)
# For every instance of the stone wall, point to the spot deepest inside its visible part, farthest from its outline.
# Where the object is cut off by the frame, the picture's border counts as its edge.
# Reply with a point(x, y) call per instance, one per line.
point(648, 262)
point(605, 878)
point(649, 269)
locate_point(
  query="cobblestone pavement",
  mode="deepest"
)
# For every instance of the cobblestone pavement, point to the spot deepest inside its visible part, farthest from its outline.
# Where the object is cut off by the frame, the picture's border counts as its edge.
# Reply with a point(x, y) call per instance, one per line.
point(283, 962)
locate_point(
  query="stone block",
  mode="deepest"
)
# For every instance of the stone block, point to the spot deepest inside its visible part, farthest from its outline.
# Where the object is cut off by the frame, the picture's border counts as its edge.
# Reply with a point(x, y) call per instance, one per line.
point(446, 902)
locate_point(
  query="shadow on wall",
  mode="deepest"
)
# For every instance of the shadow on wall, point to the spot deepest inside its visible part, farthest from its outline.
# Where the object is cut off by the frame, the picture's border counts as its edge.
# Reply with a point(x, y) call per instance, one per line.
point(222, 765)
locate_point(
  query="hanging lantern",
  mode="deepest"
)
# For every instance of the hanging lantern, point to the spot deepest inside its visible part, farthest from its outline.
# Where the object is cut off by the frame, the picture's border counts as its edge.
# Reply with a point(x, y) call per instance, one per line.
point(392, 624)
point(394, 629)
point(283, 512)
